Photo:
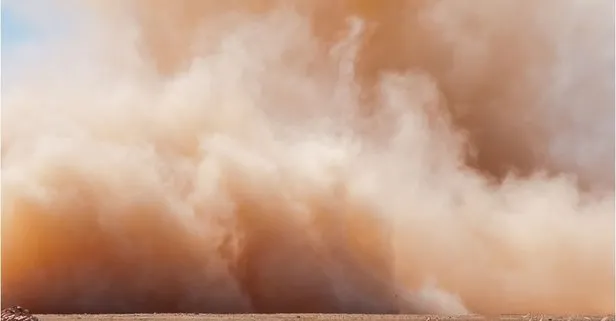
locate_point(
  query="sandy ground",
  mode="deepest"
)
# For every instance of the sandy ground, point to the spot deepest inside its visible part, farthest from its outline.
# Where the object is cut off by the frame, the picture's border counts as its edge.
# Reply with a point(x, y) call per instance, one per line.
point(274, 317)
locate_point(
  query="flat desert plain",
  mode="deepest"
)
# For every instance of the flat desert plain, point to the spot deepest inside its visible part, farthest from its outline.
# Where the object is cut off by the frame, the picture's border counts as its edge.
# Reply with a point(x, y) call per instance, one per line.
point(288, 317)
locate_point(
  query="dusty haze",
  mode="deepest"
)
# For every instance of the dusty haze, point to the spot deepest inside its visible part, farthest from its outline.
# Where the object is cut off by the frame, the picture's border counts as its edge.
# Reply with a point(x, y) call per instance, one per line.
point(310, 156)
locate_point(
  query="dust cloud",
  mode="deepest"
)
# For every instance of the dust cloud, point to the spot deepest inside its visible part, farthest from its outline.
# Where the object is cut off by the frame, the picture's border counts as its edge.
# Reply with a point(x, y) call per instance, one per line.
point(311, 156)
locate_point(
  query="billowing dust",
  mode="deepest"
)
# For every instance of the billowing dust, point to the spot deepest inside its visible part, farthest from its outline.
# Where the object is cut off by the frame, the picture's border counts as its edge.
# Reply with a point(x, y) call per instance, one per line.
point(311, 156)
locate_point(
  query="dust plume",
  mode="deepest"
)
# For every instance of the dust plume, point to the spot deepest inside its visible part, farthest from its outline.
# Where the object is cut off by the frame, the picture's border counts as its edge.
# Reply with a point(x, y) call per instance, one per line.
point(311, 156)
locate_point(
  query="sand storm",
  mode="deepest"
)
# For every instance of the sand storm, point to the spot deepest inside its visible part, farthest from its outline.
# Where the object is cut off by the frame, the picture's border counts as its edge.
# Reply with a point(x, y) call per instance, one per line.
point(263, 156)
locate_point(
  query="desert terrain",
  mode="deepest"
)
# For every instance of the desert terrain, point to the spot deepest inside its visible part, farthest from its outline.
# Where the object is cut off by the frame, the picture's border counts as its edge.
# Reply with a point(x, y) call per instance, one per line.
point(284, 317)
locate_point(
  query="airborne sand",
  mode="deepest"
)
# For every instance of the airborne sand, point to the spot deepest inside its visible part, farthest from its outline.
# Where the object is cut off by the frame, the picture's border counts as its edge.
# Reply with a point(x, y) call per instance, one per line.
point(276, 156)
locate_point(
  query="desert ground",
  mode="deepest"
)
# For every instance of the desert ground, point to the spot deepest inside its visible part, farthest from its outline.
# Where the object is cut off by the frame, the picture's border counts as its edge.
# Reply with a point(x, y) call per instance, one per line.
point(345, 317)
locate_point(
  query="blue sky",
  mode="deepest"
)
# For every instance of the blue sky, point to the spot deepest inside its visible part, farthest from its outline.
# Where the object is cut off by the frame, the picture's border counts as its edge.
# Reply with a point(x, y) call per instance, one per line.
point(14, 29)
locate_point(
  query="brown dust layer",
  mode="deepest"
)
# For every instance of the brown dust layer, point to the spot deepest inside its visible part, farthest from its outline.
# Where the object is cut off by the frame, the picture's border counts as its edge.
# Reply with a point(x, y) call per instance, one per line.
point(269, 156)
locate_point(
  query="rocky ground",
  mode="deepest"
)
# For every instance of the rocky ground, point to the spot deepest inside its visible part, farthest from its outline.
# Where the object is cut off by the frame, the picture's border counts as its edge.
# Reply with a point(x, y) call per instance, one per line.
point(17, 314)
point(21, 314)
point(315, 317)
